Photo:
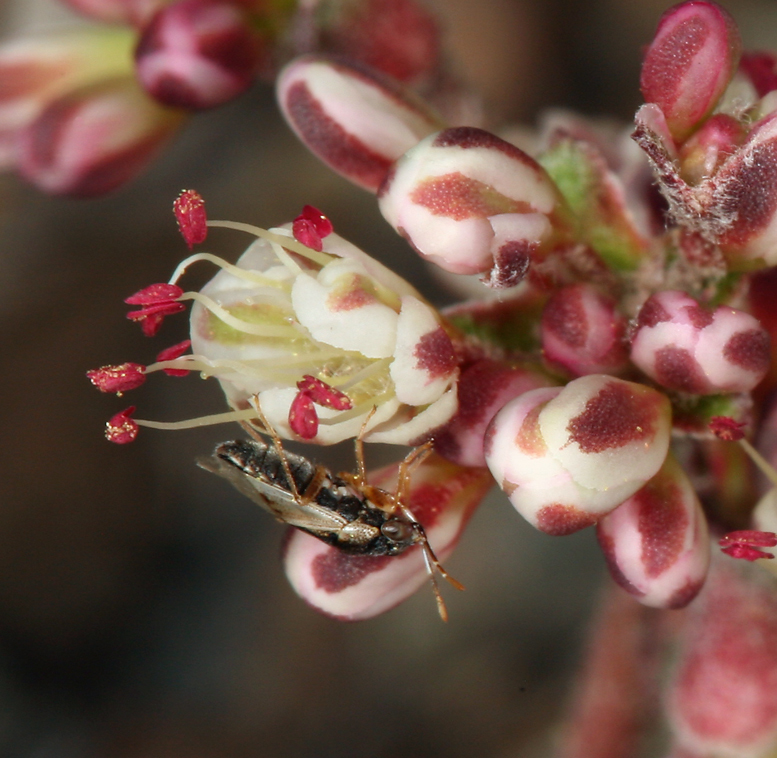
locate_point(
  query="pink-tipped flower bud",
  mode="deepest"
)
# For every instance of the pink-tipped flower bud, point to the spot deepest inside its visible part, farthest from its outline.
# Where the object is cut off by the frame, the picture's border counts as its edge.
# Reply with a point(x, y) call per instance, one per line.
point(723, 699)
point(689, 63)
point(197, 54)
point(568, 456)
point(484, 387)
point(442, 497)
point(133, 12)
point(94, 140)
point(761, 70)
point(657, 543)
point(688, 348)
point(703, 154)
point(397, 37)
point(354, 120)
point(35, 72)
point(583, 332)
point(471, 203)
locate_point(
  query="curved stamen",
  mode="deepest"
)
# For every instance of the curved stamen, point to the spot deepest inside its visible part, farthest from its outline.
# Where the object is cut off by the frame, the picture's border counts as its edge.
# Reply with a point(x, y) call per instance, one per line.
point(242, 273)
point(214, 418)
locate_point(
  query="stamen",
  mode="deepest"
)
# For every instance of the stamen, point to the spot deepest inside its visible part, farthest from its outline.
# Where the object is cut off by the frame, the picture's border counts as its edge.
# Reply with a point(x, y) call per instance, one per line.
point(730, 430)
point(271, 236)
point(303, 418)
point(171, 353)
point(242, 273)
point(121, 428)
point(323, 394)
point(191, 423)
point(189, 210)
point(118, 379)
point(358, 410)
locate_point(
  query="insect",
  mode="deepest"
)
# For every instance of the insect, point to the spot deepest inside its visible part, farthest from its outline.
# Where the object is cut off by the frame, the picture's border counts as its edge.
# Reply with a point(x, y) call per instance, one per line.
point(343, 509)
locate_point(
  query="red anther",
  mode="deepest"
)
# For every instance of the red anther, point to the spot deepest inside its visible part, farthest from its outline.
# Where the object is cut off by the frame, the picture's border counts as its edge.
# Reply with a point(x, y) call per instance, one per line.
point(118, 379)
point(752, 537)
point(151, 318)
point(189, 210)
point(321, 393)
point(173, 352)
point(154, 294)
point(745, 552)
point(303, 418)
point(121, 428)
point(310, 227)
point(727, 429)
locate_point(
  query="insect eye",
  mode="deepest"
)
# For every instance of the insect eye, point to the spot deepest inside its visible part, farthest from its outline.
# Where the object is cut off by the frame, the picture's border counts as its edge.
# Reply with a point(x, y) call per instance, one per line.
point(398, 531)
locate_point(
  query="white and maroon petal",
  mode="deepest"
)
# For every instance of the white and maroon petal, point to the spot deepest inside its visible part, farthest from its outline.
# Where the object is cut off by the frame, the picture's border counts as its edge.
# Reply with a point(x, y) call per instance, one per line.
point(357, 122)
point(607, 432)
point(411, 424)
point(425, 361)
point(344, 311)
point(515, 450)
point(657, 542)
point(483, 389)
point(734, 351)
point(351, 587)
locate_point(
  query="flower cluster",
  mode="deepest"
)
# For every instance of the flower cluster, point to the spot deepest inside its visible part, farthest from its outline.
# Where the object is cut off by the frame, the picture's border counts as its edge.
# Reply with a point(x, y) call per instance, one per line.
point(616, 370)
point(90, 108)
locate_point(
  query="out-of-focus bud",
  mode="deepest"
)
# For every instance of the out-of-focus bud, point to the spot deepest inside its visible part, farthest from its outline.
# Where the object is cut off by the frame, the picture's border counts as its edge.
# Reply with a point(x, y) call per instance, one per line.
point(354, 120)
point(471, 203)
point(36, 71)
point(578, 162)
point(761, 69)
point(657, 543)
point(689, 63)
point(95, 139)
point(133, 12)
point(710, 146)
point(340, 317)
point(352, 587)
point(197, 54)
point(688, 348)
point(723, 698)
point(583, 332)
point(568, 456)
point(398, 37)
point(484, 387)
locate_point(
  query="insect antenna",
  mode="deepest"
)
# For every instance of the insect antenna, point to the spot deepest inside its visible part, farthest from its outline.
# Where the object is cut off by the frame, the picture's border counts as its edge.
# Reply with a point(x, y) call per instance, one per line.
point(414, 459)
point(277, 443)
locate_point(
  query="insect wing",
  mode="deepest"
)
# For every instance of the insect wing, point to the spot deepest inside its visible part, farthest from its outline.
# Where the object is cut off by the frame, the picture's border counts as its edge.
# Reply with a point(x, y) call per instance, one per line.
point(277, 500)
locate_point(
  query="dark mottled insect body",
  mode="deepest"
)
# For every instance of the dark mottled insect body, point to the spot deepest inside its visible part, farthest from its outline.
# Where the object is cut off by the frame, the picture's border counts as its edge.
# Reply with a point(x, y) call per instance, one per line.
point(336, 508)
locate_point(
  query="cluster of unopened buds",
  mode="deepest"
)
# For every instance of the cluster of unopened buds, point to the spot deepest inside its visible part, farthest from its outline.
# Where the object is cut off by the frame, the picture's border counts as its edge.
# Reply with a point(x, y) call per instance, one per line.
point(87, 109)
point(616, 370)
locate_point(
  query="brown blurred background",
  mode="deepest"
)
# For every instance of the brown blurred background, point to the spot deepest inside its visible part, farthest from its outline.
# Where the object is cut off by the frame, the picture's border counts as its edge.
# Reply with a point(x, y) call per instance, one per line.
point(143, 609)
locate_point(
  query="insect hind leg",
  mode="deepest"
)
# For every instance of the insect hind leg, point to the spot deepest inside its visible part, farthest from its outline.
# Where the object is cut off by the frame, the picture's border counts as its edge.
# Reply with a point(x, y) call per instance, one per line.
point(277, 444)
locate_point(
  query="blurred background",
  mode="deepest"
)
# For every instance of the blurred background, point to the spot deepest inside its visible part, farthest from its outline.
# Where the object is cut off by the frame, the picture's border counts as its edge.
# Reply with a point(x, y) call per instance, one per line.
point(143, 609)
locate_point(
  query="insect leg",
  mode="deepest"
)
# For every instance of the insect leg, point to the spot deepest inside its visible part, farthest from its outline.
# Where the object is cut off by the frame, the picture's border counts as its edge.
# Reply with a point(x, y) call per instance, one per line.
point(276, 440)
point(358, 443)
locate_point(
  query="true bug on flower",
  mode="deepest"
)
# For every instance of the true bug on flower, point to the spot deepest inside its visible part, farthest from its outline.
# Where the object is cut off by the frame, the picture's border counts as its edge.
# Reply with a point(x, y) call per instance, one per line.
point(341, 509)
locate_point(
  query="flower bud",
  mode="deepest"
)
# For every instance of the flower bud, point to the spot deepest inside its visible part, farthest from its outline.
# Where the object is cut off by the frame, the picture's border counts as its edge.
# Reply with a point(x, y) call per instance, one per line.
point(338, 316)
point(657, 543)
point(442, 498)
point(134, 12)
point(471, 203)
point(568, 456)
point(688, 348)
point(761, 69)
point(94, 139)
point(582, 331)
point(36, 71)
point(400, 38)
point(689, 63)
point(703, 154)
point(484, 387)
point(354, 120)
point(197, 54)
point(723, 698)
